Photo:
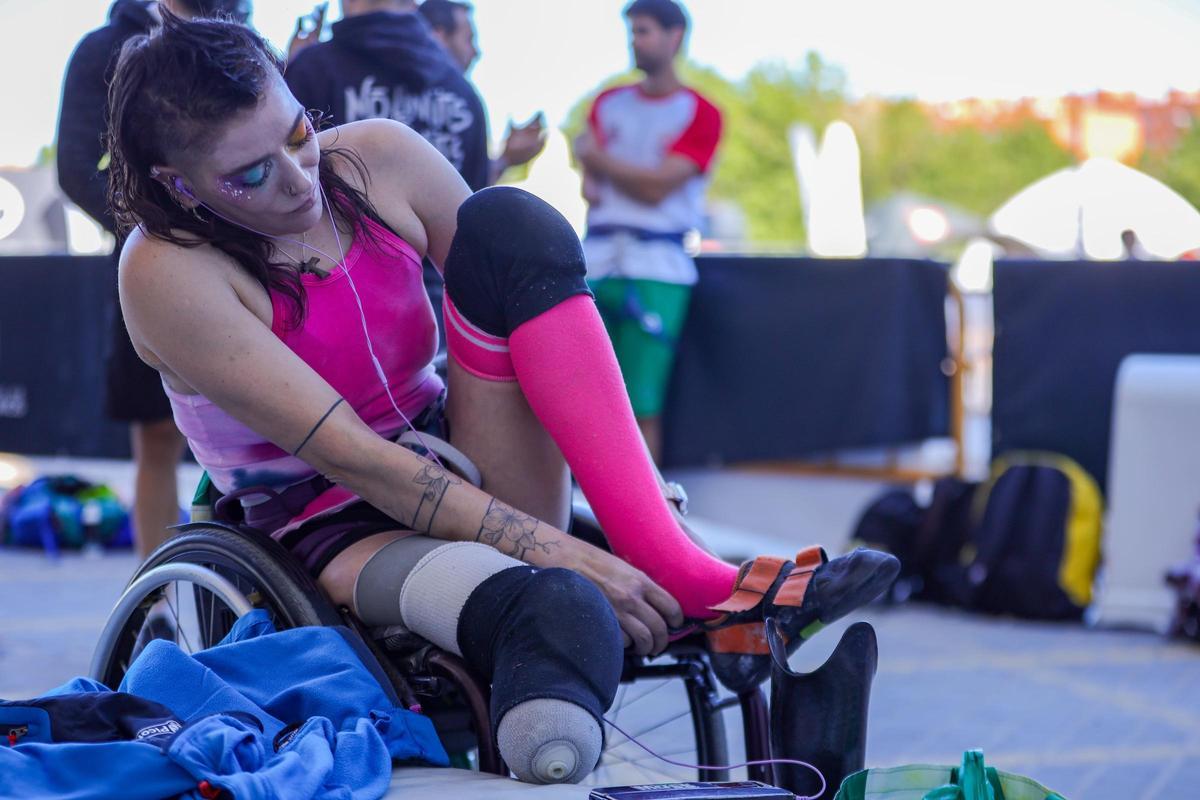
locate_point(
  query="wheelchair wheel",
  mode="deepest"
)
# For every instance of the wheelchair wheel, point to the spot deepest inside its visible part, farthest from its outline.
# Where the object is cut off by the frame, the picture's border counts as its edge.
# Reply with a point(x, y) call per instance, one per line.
point(229, 573)
point(670, 705)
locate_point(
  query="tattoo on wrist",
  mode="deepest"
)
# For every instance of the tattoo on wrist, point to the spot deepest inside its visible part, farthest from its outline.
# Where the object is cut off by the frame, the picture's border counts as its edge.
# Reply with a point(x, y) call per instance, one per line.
point(436, 482)
point(511, 531)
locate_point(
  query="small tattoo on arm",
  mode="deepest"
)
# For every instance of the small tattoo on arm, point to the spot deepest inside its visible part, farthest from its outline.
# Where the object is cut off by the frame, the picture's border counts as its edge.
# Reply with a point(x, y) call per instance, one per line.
point(511, 531)
point(436, 482)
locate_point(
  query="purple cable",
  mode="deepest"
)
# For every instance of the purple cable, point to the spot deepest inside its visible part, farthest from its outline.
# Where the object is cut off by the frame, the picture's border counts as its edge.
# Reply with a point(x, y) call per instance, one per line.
point(627, 735)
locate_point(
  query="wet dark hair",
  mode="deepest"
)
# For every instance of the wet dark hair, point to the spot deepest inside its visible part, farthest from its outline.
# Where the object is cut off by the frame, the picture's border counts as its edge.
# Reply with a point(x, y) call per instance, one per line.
point(170, 89)
point(236, 10)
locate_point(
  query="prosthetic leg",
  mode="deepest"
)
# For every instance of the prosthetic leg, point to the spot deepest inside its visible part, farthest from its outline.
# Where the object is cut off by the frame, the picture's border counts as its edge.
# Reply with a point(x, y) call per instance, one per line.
point(821, 717)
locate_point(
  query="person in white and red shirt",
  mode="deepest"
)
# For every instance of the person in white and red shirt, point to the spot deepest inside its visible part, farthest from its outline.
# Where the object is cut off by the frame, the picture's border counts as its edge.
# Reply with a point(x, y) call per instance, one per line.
point(646, 157)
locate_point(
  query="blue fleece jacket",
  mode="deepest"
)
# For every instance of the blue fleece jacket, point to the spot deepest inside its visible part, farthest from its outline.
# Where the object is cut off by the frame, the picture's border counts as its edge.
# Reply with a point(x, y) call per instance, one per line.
point(265, 714)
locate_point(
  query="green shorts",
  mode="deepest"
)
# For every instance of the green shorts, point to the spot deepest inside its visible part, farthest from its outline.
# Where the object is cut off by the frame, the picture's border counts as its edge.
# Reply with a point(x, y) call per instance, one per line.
point(643, 319)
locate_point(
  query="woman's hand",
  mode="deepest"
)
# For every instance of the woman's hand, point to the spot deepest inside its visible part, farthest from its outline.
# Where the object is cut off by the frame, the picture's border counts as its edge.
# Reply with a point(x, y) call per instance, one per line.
point(644, 609)
point(308, 31)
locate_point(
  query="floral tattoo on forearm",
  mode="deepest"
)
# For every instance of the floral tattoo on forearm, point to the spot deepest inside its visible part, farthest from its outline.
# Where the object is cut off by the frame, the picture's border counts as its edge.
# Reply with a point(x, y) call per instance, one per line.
point(511, 531)
point(436, 482)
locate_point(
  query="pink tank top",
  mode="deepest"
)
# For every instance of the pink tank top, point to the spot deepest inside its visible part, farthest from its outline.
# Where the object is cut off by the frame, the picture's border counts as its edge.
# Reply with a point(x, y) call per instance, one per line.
point(388, 275)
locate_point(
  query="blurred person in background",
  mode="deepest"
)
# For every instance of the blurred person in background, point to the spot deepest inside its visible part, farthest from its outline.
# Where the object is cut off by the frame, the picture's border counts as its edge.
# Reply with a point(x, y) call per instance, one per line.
point(454, 29)
point(134, 392)
point(645, 156)
point(382, 62)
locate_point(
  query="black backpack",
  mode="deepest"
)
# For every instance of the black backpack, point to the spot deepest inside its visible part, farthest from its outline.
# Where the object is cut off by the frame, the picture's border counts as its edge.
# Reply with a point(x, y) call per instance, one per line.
point(1025, 542)
point(927, 540)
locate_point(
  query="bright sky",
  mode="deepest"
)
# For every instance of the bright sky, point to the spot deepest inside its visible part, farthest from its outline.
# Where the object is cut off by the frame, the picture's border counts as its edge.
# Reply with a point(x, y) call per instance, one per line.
point(546, 54)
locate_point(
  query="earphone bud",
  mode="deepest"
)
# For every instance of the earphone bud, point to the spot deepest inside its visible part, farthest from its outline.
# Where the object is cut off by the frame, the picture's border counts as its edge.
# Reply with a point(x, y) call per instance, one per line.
point(182, 188)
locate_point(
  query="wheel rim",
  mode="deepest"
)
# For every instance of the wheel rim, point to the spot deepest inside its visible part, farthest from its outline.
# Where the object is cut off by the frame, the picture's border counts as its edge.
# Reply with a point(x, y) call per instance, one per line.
point(196, 619)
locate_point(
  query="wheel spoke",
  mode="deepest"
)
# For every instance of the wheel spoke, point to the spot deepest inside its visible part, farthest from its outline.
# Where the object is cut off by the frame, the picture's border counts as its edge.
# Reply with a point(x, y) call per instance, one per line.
point(658, 685)
point(656, 757)
point(630, 737)
point(210, 620)
point(641, 768)
point(178, 625)
point(620, 702)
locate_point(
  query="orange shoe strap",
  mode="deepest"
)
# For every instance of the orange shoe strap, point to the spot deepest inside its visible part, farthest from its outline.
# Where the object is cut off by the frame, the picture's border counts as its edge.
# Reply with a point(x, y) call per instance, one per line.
point(795, 585)
point(752, 585)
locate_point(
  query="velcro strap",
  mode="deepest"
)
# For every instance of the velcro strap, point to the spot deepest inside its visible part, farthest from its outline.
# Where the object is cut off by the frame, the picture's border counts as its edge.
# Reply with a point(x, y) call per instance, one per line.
point(752, 585)
point(747, 639)
point(795, 585)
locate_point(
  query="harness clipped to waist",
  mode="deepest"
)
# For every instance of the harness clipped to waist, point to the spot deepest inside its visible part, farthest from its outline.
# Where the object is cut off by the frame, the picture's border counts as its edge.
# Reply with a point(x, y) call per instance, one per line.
point(641, 234)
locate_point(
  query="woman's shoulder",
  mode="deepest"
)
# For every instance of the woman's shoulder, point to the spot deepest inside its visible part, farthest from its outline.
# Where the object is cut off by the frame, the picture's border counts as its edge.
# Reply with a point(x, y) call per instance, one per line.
point(384, 145)
point(147, 260)
point(142, 247)
point(391, 156)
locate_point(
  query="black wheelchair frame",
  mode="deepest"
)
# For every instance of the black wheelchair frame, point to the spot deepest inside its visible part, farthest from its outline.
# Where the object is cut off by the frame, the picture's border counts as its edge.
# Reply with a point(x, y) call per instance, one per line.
point(233, 569)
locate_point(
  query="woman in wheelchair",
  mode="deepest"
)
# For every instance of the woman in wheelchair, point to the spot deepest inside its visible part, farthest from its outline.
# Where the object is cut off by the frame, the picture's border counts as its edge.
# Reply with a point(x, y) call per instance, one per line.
point(272, 274)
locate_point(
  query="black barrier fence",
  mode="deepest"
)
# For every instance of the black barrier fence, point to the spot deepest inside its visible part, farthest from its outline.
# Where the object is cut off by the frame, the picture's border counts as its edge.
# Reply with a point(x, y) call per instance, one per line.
point(780, 358)
point(1062, 329)
point(783, 358)
point(53, 337)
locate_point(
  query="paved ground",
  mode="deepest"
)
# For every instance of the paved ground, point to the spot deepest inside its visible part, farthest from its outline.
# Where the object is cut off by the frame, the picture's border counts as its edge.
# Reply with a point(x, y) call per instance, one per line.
point(1095, 715)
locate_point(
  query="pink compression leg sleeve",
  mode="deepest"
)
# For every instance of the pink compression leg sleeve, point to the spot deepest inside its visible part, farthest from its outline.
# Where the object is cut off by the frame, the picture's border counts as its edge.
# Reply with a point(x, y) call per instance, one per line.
point(565, 364)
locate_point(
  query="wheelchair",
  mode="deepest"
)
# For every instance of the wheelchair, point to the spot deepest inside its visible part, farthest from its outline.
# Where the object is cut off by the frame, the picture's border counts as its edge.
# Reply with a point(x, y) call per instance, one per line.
point(672, 702)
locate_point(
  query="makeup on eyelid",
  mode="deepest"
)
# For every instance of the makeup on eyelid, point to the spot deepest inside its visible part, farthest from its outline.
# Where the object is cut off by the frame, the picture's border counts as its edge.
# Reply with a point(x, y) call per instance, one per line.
point(238, 187)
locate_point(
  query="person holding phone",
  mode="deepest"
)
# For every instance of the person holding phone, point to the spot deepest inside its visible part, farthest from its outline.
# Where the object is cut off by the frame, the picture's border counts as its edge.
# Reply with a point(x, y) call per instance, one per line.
point(454, 29)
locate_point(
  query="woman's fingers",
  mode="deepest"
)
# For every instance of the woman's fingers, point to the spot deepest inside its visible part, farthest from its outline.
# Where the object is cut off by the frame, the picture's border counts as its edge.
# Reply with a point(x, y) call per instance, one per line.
point(638, 633)
point(657, 626)
point(666, 605)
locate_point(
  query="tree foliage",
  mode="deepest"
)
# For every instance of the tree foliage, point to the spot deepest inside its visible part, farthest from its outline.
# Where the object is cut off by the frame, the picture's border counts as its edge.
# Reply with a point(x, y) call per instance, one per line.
point(1179, 167)
point(903, 147)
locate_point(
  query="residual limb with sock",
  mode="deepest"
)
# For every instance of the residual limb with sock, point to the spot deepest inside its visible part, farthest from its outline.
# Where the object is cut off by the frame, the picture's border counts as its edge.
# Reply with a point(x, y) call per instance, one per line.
point(547, 640)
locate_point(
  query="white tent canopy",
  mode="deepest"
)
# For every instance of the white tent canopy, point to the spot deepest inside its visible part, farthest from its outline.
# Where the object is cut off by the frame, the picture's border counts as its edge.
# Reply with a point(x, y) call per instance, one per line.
point(1082, 212)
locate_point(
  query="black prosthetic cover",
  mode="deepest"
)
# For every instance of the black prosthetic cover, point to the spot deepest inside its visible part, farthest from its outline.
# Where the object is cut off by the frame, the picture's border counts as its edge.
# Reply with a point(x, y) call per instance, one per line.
point(821, 717)
point(542, 633)
point(513, 257)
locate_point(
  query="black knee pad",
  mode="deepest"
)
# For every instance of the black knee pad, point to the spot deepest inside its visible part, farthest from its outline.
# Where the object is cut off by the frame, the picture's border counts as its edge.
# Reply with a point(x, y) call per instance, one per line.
point(542, 633)
point(513, 257)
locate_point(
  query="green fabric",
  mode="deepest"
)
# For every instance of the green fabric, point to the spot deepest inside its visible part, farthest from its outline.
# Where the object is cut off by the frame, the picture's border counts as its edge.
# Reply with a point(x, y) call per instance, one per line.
point(204, 499)
point(972, 780)
point(645, 356)
point(200, 498)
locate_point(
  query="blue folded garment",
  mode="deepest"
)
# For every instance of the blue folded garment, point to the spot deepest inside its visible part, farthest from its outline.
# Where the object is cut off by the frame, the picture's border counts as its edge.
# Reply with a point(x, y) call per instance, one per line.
point(264, 714)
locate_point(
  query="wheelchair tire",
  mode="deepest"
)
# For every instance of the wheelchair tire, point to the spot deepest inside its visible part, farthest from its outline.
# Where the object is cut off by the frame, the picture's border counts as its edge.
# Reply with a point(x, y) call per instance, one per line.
point(257, 566)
